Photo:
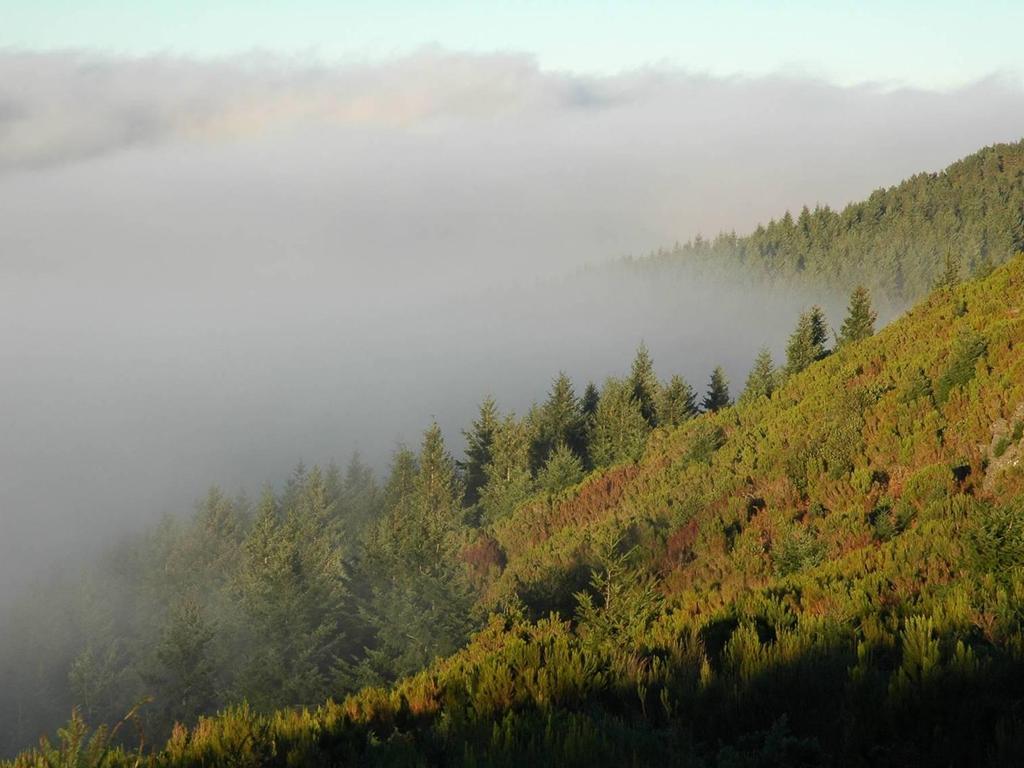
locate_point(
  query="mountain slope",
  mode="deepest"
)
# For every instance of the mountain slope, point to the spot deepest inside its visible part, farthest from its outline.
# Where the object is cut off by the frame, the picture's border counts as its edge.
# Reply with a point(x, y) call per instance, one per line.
point(829, 576)
point(895, 241)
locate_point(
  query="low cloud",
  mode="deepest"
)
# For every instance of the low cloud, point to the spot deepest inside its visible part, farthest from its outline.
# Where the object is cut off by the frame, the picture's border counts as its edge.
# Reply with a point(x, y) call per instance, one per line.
point(61, 107)
point(211, 269)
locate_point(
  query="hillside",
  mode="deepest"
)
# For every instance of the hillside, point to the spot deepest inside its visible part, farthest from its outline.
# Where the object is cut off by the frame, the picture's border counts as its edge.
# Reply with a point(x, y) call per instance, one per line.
point(895, 241)
point(827, 576)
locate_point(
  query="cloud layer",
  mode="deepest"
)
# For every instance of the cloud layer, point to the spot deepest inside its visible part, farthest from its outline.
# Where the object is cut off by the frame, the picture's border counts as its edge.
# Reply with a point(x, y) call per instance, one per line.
point(212, 269)
point(62, 107)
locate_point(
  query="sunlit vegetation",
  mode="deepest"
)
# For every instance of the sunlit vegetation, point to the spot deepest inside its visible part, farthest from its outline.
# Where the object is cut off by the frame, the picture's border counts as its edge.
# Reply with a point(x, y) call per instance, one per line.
point(901, 242)
point(828, 571)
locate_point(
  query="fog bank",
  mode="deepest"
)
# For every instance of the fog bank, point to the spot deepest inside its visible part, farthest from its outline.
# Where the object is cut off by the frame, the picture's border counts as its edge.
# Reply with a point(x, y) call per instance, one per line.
point(211, 270)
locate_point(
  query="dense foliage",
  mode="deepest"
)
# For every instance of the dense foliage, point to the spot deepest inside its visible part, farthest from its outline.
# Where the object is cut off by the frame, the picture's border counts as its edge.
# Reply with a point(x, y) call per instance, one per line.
point(827, 572)
point(832, 574)
point(899, 243)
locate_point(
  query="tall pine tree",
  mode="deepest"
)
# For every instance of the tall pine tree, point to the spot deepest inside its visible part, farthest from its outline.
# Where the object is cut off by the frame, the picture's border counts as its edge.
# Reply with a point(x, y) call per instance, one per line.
point(620, 429)
point(807, 342)
point(717, 396)
point(860, 317)
point(678, 402)
point(508, 474)
point(763, 378)
point(644, 384)
point(559, 420)
point(479, 440)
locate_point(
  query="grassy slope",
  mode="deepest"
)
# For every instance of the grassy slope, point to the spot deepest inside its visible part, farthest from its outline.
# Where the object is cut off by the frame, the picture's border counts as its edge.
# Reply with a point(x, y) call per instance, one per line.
point(823, 560)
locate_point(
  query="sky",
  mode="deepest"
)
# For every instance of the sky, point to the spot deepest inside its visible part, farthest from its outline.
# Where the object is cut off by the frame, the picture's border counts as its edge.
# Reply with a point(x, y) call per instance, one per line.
point(236, 237)
point(939, 44)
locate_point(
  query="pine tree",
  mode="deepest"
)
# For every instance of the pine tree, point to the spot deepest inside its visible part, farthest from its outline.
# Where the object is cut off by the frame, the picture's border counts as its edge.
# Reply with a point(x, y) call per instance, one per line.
point(419, 606)
point(293, 589)
point(401, 486)
point(479, 440)
point(622, 600)
point(559, 420)
point(807, 342)
point(678, 402)
point(644, 384)
point(620, 429)
point(950, 276)
point(591, 396)
point(860, 317)
point(360, 497)
point(763, 378)
point(508, 474)
point(563, 469)
point(436, 491)
point(717, 396)
point(184, 673)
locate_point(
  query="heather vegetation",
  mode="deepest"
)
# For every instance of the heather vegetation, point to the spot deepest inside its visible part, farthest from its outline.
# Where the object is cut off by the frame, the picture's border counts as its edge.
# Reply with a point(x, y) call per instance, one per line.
point(824, 567)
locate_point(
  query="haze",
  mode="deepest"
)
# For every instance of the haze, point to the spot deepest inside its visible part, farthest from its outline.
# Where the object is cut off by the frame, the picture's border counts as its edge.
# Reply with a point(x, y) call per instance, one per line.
point(210, 270)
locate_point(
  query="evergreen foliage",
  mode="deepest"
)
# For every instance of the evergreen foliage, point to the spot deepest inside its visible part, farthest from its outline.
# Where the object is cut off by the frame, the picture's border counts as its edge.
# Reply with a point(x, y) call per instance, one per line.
point(645, 386)
point(713, 593)
point(560, 421)
point(717, 396)
point(562, 471)
point(588, 404)
point(678, 402)
point(807, 342)
point(860, 317)
point(620, 429)
point(763, 379)
point(851, 544)
point(479, 442)
point(950, 275)
point(894, 242)
point(509, 482)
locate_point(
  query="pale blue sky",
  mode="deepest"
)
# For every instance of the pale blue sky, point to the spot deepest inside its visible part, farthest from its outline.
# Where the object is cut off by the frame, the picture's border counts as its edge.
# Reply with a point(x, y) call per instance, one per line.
point(937, 44)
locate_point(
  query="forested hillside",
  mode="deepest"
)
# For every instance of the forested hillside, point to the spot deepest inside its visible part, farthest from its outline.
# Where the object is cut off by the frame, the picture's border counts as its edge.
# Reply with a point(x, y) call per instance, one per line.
point(821, 566)
point(829, 573)
point(896, 242)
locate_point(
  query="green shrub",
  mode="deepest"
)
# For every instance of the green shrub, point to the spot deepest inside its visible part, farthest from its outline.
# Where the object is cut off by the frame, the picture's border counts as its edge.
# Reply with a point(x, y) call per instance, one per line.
point(996, 538)
point(799, 548)
point(968, 348)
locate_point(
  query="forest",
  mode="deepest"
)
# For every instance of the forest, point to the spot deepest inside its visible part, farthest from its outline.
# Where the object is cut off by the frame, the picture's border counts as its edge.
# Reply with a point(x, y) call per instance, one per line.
point(895, 242)
point(818, 565)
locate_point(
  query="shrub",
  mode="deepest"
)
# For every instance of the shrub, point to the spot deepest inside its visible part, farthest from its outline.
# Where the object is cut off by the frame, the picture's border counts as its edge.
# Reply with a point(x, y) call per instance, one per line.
point(798, 549)
point(968, 348)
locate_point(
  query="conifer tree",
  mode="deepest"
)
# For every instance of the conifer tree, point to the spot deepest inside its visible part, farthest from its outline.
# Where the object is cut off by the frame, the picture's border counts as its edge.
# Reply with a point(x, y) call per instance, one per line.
point(591, 396)
point(678, 402)
point(559, 420)
point(508, 474)
point(184, 673)
point(401, 486)
point(436, 491)
point(717, 396)
point(479, 440)
point(644, 384)
point(419, 606)
point(950, 276)
point(807, 342)
point(360, 501)
point(860, 317)
point(562, 470)
point(293, 588)
point(620, 429)
point(762, 379)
